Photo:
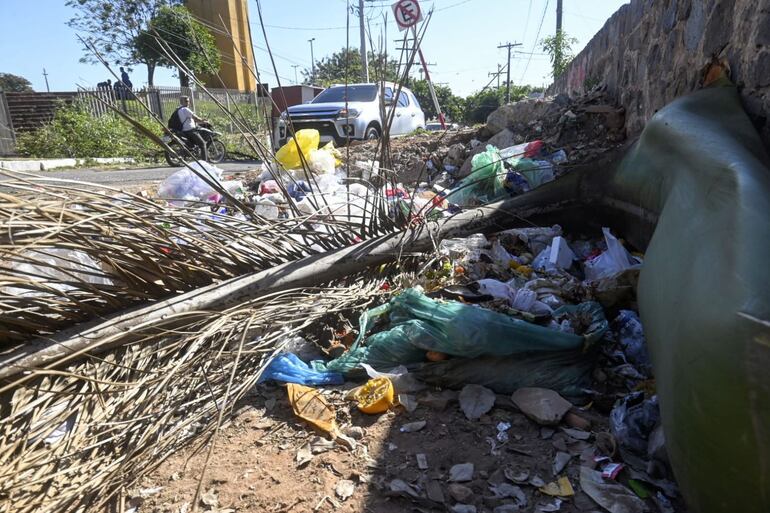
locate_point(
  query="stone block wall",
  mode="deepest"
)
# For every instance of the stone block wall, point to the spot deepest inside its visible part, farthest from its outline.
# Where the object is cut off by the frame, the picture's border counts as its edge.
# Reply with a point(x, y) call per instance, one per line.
point(651, 51)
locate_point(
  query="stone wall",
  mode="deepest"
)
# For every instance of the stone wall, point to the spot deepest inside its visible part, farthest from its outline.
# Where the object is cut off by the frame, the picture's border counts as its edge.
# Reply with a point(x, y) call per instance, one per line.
point(652, 51)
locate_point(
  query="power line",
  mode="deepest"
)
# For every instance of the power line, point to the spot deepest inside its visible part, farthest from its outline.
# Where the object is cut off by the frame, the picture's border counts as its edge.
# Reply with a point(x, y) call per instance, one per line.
point(219, 30)
point(534, 45)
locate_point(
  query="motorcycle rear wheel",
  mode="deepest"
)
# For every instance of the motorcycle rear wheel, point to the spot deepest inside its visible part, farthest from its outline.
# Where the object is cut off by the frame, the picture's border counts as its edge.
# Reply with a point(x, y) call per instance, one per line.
point(217, 152)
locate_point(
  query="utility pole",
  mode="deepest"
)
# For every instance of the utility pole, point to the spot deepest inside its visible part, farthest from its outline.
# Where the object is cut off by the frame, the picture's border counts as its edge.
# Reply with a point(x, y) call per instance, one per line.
point(496, 75)
point(508, 76)
point(557, 51)
point(312, 62)
point(295, 66)
point(45, 74)
point(422, 71)
point(364, 59)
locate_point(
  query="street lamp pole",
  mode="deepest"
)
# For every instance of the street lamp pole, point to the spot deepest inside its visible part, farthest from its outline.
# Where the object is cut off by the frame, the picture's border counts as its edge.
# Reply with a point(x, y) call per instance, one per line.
point(312, 61)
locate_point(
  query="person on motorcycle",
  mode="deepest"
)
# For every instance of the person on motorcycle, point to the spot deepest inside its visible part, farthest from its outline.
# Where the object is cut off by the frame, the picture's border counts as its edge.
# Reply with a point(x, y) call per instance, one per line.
point(188, 119)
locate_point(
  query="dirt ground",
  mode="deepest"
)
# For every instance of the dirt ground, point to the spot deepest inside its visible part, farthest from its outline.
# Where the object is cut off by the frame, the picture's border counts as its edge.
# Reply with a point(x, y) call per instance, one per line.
point(254, 465)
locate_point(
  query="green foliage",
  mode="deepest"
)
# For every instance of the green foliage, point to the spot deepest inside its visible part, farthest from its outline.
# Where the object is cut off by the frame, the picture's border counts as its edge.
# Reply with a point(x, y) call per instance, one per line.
point(452, 106)
point(15, 83)
point(481, 104)
point(347, 62)
point(192, 43)
point(245, 114)
point(75, 133)
point(559, 49)
point(113, 26)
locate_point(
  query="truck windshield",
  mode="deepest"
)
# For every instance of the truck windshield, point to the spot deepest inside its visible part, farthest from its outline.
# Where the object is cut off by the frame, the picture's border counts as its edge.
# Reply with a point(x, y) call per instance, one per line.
point(356, 93)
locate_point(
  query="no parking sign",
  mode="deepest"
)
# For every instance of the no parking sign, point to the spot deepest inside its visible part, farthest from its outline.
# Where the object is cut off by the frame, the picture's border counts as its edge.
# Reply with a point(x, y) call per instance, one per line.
point(407, 13)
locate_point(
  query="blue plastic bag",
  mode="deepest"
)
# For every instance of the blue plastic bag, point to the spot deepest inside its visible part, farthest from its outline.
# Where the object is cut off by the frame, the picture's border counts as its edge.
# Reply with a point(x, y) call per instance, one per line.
point(288, 368)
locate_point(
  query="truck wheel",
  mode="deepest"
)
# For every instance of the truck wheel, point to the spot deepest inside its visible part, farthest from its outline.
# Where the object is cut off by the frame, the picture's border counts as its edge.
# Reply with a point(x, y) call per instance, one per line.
point(372, 133)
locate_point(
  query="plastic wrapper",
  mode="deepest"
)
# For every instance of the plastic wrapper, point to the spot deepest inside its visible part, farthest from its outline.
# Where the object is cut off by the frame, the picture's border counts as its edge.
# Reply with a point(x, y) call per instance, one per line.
point(185, 186)
point(632, 421)
point(631, 336)
point(55, 268)
point(612, 261)
point(266, 208)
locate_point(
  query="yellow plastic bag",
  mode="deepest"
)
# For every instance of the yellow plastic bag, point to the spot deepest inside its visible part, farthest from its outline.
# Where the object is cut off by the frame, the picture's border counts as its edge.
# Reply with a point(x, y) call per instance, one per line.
point(288, 154)
point(310, 405)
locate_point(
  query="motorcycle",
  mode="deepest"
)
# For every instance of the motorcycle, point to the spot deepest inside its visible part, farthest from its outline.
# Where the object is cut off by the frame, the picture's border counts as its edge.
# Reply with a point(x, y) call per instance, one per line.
point(216, 148)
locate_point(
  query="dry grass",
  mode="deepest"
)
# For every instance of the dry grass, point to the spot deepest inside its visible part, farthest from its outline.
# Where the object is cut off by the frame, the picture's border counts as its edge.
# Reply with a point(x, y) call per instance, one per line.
point(120, 415)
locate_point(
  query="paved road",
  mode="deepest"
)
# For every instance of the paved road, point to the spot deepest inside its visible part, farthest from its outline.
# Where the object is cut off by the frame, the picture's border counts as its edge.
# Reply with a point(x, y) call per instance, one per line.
point(129, 176)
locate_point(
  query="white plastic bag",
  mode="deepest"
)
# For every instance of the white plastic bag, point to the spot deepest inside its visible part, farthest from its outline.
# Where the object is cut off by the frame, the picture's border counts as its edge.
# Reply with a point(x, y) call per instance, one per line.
point(495, 288)
point(266, 208)
point(185, 186)
point(610, 262)
point(556, 256)
point(525, 300)
point(55, 267)
point(501, 256)
point(403, 381)
point(321, 161)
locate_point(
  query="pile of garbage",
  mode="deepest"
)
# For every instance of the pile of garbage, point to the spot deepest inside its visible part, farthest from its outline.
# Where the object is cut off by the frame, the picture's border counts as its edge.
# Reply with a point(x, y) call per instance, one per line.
point(529, 320)
point(585, 127)
point(308, 181)
point(573, 130)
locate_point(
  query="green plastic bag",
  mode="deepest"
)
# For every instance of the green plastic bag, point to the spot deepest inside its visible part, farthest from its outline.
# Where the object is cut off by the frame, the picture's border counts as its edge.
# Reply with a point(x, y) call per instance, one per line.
point(485, 183)
point(416, 324)
point(566, 372)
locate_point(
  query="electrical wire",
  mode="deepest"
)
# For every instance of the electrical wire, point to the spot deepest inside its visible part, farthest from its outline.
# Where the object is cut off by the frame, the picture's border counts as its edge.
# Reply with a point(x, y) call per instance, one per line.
point(534, 45)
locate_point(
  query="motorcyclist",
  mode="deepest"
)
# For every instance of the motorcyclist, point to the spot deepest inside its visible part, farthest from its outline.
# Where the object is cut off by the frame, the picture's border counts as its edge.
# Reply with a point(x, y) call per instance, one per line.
point(188, 120)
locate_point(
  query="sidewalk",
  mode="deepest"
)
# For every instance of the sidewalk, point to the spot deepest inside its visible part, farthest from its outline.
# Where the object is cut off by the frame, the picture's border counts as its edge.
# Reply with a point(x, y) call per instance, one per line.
point(31, 165)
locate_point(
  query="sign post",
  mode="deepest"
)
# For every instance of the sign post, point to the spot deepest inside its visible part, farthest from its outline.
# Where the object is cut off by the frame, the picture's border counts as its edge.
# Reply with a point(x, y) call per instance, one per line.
point(408, 14)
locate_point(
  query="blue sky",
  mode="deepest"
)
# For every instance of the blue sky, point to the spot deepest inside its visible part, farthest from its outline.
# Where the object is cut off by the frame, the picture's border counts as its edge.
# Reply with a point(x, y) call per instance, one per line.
point(462, 38)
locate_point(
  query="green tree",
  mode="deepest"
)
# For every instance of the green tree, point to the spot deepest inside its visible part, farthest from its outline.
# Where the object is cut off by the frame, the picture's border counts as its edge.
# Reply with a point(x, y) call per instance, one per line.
point(559, 49)
point(15, 83)
point(451, 105)
point(113, 26)
point(347, 62)
point(192, 43)
point(481, 104)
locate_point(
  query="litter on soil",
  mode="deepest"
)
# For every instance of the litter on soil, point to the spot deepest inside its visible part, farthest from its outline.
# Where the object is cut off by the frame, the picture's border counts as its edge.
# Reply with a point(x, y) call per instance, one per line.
point(510, 372)
point(562, 427)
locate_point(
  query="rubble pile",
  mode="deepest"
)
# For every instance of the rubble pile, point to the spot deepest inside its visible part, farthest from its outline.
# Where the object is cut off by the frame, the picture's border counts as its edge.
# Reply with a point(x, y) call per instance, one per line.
point(510, 374)
point(584, 127)
point(580, 129)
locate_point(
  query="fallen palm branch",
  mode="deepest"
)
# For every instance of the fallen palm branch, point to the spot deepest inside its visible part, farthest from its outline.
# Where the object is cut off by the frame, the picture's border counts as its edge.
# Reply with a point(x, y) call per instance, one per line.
point(71, 252)
point(72, 438)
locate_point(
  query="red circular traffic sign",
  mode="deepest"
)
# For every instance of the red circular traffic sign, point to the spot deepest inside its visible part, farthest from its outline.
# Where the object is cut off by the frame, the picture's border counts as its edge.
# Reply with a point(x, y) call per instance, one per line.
point(407, 13)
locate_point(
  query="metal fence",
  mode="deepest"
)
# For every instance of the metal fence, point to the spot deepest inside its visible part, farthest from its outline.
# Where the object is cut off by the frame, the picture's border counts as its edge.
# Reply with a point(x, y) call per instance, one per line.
point(162, 101)
point(7, 137)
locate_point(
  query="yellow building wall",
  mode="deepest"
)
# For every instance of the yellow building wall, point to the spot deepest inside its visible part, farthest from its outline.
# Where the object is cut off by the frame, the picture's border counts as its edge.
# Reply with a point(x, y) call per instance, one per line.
point(235, 63)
